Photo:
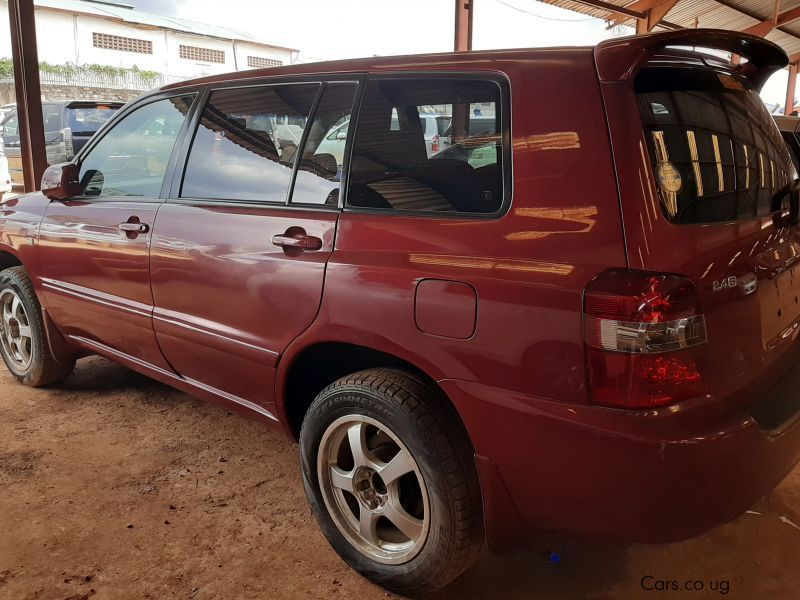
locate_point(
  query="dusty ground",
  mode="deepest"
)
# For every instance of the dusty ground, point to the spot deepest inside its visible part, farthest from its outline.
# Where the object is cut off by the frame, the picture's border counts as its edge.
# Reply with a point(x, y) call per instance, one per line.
point(113, 486)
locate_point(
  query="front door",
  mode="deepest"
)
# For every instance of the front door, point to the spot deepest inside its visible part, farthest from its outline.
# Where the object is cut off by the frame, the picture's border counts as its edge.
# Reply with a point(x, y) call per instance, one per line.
point(238, 258)
point(94, 249)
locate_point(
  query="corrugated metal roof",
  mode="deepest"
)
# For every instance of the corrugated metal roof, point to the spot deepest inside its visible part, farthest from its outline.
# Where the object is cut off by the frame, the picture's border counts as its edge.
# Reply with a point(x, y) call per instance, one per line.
point(122, 12)
point(734, 15)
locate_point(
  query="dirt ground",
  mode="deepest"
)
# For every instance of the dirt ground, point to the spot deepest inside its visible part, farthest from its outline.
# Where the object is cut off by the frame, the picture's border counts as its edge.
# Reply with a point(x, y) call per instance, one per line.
point(114, 486)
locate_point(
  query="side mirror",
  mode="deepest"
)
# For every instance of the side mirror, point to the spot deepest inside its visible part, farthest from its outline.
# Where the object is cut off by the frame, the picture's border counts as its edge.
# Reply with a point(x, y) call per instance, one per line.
point(60, 181)
point(341, 135)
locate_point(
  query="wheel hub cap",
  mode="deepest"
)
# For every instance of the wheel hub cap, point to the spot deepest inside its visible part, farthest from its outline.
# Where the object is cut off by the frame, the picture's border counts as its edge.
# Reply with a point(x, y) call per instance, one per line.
point(373, 489)
point(15, 335)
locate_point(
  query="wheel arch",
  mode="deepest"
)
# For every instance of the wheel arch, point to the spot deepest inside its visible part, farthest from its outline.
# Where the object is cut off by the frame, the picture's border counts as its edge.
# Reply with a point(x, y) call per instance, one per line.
point(313, 367)
point(8, 258)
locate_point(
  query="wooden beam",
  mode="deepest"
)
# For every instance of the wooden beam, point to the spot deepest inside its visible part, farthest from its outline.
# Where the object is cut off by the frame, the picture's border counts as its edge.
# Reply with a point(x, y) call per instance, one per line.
point(28, 92)
point(658, 12)
point(764, 27)
point(463, 21)
point(613, 8)
point(791, 85)
point(641, 6)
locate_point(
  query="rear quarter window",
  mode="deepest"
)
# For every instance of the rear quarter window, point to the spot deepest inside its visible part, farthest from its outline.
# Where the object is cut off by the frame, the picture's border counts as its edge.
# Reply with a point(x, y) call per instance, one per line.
point(716, 153)
point(393, 166)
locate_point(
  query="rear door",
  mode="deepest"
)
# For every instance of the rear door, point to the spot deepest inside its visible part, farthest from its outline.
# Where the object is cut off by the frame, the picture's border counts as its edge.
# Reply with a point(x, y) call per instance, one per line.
point(94, 248)
point(713, 176)
point(240, 249)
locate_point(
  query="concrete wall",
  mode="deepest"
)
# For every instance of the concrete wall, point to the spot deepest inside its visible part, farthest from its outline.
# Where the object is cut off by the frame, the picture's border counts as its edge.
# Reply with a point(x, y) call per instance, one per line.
point(67, 92)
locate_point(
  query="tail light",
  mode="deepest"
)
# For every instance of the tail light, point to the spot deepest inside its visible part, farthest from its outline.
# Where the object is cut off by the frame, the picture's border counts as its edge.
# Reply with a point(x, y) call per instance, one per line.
point(643, 333)
point(435, 143)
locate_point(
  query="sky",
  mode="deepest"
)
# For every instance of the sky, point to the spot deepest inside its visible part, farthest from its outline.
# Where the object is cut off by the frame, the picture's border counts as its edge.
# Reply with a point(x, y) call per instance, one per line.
point(331, 29)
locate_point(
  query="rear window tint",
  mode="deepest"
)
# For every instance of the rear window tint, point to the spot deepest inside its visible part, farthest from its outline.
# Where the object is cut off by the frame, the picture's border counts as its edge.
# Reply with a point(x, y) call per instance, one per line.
point(394, 166)
point(717, 155)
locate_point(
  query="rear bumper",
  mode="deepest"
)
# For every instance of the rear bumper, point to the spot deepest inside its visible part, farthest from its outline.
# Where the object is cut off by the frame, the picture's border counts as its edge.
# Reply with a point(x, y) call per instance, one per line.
point(648, 476)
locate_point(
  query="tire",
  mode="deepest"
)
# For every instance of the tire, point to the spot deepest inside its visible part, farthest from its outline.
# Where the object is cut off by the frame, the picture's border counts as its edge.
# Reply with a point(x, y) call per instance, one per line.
point(27, 357)
point(393, 417)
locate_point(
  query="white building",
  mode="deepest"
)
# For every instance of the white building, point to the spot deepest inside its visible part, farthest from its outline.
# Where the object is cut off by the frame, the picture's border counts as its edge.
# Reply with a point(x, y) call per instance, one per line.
point(110, 33)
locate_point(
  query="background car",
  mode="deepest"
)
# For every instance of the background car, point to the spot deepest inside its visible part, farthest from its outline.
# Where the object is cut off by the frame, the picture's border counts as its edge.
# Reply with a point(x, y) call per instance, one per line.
point(5, 176)
point(5, 109)
point(68, 125)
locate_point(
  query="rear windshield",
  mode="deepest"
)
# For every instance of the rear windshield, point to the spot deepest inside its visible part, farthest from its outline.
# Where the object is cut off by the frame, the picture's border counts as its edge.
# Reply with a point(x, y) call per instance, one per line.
point(716, 153)
point(88, 119)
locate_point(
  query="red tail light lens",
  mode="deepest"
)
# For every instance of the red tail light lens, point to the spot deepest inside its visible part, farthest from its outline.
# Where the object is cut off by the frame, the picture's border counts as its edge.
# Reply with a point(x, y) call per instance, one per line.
point(643, 331)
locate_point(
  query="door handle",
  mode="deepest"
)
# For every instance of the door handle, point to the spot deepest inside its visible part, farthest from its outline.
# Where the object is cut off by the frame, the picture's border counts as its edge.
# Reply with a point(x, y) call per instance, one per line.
point(296, 240)
point(134, 227)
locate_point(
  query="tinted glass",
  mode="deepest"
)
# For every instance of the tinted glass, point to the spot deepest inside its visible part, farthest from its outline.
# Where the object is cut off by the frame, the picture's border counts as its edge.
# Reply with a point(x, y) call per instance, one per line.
point(86, 120)
point(131, 159)
point(319, 172)
point(395, 167)
point(716, 152)
point(246, 143)
point(10, 125)
point(51, 117)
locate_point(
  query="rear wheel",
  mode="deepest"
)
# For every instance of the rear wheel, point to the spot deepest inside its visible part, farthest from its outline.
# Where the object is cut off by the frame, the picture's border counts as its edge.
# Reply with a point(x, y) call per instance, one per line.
point(23, 344)
point(391, 477)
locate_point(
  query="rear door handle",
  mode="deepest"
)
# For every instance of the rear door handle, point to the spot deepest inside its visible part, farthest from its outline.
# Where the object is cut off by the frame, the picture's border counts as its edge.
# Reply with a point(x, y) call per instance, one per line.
point(129, 227)
point(297, 241)
point(134, 227)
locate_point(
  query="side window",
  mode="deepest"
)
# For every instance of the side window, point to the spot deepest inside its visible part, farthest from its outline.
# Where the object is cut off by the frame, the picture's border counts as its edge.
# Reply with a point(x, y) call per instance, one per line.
point(320, 170)
point(401, 163)
point(128, 160)
point(10, 125)
point(246, 143)
point(51, 118)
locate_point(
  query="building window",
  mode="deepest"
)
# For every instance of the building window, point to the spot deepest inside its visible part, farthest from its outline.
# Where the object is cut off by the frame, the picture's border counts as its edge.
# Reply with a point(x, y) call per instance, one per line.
point(202, 54)
point(122, 44)
point(256, 62)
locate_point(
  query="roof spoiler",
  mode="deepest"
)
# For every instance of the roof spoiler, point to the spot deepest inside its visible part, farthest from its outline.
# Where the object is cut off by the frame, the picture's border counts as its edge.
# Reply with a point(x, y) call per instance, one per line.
point(620, 59)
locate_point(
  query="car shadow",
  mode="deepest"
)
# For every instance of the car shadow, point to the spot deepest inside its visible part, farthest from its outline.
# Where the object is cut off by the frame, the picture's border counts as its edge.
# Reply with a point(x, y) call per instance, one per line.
point(96, 374)
point(548, 566)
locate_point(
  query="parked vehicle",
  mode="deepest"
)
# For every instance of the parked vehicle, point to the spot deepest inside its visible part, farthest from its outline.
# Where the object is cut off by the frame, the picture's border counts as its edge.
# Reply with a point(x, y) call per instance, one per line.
point(591, 330)
point(68, 125)
point(5, 176)
point(5, 109)
point(335, 141)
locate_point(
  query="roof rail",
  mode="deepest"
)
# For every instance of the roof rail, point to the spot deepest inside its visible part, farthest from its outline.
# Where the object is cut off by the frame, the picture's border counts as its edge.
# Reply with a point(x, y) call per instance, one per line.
point(621, 58)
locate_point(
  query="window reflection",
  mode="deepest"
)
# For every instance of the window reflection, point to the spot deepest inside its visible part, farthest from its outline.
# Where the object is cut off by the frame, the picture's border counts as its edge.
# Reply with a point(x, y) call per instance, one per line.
point(716, 153)
point(246, 143)
point(320, 169)
point(131, 159)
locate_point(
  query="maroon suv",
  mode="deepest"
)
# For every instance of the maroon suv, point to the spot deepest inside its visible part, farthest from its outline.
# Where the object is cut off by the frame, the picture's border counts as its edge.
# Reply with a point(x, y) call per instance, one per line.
point(581, 314)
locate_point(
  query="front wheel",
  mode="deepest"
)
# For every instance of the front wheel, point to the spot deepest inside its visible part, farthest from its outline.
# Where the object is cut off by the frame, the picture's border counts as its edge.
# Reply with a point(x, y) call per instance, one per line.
point(22, 336)
point(391, 478)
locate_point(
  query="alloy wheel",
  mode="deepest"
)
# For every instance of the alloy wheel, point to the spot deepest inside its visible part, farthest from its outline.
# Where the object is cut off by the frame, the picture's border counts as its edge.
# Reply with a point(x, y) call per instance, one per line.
point(16, 336)
point(373, 489)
